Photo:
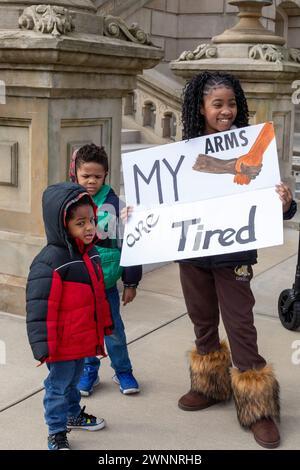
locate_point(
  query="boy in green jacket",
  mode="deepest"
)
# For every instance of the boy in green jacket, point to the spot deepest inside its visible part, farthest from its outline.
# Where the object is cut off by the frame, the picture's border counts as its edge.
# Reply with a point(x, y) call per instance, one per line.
point(89, 167)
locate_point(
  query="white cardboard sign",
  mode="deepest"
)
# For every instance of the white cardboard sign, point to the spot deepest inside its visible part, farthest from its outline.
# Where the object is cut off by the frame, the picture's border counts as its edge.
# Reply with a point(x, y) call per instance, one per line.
point(196, 198)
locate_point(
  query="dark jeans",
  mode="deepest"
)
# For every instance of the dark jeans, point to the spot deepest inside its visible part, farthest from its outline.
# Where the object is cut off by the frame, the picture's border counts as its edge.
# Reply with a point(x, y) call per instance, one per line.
point(208, 291)
point(116, 343)
point(62, 397)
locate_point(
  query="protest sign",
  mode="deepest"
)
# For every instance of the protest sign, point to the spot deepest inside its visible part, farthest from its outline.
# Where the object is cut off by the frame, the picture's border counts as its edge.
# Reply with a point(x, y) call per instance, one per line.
point(210, 195)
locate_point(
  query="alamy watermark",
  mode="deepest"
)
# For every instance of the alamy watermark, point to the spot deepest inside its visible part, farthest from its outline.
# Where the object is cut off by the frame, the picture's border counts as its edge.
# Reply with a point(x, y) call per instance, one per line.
point(296, 354)
point(2, 92)
point(2, 353)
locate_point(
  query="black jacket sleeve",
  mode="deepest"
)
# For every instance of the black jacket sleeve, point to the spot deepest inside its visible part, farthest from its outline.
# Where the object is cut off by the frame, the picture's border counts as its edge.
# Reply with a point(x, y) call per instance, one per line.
point(291, 212)
point(43, 292)
point(132, 275)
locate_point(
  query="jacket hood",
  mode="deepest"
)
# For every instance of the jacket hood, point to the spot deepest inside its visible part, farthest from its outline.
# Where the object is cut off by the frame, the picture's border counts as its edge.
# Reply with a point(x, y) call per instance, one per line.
point(72, 167)
point(56, 199)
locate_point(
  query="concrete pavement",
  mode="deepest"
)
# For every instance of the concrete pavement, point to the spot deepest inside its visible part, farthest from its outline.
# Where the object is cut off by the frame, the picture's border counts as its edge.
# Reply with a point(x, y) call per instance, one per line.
point(159, 333)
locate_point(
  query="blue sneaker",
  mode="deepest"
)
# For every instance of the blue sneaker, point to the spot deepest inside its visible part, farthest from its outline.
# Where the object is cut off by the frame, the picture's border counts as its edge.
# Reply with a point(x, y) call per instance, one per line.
point(85, 422)
point(88, 380)
point(58, 441)
point(127, 382)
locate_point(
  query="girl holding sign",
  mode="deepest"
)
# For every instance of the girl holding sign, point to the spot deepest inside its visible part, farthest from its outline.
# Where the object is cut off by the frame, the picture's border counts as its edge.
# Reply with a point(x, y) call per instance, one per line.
point(215, 102)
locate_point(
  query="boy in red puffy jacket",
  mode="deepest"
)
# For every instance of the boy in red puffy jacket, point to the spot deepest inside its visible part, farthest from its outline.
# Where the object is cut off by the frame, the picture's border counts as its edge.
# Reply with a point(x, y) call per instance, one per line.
point(67, 311)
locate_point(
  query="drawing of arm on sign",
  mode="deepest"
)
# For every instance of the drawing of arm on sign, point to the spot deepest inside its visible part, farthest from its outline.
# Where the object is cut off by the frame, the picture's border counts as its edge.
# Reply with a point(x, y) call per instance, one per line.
point(244, 168)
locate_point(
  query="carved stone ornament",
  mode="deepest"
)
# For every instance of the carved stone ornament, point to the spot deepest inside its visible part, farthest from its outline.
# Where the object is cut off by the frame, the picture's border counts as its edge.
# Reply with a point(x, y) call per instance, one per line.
point(203, 51)
point(115, 27)
point(267, 52)
point(47, 19)
point(294, 54)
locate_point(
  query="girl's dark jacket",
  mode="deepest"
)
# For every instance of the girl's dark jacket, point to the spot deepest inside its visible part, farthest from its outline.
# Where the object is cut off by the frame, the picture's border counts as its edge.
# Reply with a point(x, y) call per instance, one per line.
point(67, 311)
point(234, 259)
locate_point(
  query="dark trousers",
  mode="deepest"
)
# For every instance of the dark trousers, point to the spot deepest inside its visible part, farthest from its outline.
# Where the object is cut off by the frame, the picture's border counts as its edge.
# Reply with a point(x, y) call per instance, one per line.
point(208, 291)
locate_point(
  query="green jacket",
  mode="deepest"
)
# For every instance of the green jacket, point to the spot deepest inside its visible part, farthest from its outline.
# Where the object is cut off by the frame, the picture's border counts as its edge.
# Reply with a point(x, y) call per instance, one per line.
point(108, 249)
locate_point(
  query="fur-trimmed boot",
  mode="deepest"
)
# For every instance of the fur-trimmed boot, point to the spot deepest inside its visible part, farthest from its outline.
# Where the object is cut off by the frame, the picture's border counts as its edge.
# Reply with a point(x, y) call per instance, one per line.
point(210, 379)
point(256, 395)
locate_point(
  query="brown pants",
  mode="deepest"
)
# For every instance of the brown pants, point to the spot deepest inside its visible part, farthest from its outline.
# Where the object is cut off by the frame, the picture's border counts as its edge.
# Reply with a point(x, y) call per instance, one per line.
point(205, 290)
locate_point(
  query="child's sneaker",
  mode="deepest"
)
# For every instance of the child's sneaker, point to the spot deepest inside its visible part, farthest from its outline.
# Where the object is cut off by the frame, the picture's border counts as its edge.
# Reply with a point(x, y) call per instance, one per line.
point(127, 382)
point(58, 441)
point(85, 422)
point(88, 380)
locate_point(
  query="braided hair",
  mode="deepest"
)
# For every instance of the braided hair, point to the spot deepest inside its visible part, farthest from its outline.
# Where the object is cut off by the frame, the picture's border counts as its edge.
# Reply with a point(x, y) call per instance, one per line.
point(193, 98)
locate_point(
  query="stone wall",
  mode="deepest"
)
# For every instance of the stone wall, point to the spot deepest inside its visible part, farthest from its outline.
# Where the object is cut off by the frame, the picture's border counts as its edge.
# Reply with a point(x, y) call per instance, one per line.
point(178, 25)
point(62, 89)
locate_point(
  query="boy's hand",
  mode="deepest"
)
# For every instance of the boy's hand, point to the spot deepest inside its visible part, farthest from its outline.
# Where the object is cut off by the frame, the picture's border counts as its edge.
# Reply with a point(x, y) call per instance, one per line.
point(129, 294)
point(285, 196)
point(125, 213)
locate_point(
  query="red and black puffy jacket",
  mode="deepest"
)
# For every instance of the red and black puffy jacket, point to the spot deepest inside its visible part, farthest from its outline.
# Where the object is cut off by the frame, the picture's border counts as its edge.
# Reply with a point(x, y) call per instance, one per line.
point(67, 311)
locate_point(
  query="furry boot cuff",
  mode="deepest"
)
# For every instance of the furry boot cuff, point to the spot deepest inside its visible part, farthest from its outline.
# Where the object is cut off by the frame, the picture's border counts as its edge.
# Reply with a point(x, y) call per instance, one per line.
point(256, 394)
point(210, 373)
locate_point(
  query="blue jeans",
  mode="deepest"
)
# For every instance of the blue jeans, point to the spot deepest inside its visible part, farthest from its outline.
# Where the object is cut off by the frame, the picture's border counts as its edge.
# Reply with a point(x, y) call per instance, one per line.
point(62, 397)
point(116, 343)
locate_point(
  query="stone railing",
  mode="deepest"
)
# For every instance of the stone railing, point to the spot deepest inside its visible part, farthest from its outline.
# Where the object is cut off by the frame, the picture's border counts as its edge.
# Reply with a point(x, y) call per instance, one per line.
point(155, 108)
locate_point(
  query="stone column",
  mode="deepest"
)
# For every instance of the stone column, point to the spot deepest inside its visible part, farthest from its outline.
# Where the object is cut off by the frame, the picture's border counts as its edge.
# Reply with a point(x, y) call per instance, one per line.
point(65, 71)
point(265, 67)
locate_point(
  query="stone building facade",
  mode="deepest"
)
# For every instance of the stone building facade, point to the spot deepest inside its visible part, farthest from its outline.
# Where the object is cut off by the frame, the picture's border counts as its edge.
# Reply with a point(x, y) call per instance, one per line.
point(179, 25)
